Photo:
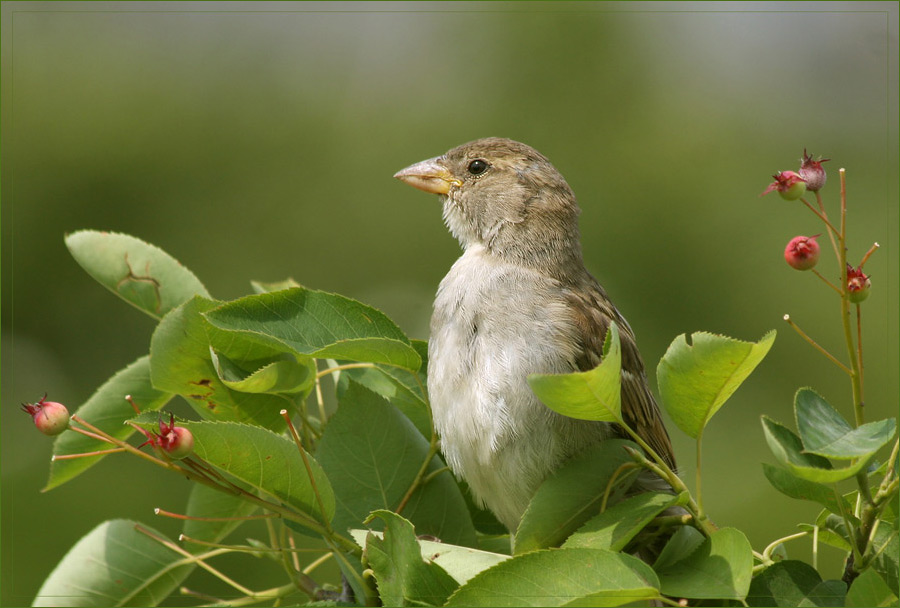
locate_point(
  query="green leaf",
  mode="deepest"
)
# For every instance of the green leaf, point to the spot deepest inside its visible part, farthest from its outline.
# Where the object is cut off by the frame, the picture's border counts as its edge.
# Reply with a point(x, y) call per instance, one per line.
point(614, 528)
point(796, 487)
point(794, 583)
point(824, 431)
point(141, 274)
point(720, 568)
point(285, 375)
point(107, 409)
point(574, 494)
point(788, 449)
point(387, 382)
point(561, 577)
point(181, 362)
point(683, 542)
point(695, 380)
point(268, 463)
point(318, 324)
point(111, 566)
point(886, 544)
point(264, 287)
point(827, 536)
point(590, 395)
point(404, 577)
point(372, 454)
point(870, 590)
point(462, 563)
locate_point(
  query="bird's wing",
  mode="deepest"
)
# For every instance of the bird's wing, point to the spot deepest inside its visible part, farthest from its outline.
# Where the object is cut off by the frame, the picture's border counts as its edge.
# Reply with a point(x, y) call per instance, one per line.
point(593, 311)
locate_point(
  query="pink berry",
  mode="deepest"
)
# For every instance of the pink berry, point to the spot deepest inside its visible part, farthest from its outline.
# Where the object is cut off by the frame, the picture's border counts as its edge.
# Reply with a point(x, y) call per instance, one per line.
point(50, 417)
point(802, 252)
point(177, 443)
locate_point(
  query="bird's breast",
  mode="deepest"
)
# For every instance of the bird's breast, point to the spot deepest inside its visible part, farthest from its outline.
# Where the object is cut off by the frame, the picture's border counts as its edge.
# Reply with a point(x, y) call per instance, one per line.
point(493, 325)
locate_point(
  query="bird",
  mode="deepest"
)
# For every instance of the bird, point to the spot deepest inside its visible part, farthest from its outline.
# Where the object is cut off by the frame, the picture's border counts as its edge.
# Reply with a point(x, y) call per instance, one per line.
point(518, 301)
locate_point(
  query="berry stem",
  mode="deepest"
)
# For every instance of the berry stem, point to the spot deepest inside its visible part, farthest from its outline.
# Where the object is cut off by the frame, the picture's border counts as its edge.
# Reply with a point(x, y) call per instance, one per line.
point(821, 215)
point(56, 457)
point(88, 433)
point(855, 376)
point(831, 230)
point(871, 250)
point(815, 345)
point(164, 513)
point(309, 471)
point(827, 282)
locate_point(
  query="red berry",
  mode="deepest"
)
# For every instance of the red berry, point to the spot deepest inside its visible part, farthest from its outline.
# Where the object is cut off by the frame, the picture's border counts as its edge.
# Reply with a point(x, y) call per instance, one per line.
point(50, 417)
point(802, 252)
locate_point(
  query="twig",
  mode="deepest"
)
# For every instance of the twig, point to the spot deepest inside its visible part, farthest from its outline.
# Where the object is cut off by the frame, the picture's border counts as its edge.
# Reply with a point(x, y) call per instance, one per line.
point(803, 335)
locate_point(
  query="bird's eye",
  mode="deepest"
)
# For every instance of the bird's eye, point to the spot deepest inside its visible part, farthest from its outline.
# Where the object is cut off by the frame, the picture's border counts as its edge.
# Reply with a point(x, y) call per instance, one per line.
point(477, 167)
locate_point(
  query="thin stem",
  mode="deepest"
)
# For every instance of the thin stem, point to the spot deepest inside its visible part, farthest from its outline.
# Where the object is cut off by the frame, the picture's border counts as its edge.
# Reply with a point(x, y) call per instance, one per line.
point(434, 474)
point(163, 513)
point(704, 525)
point(815, 345)
point(134, 406)
point(213, 601)
point(815, 548)
point(309, 471)
point(317, 562)
point(612, 481)
point(767, 552)
point(859, 354)
point(827, 282)
point(337, 368)
point(196, 559)
point(56, 457)
point(419, 479)
point(820, 214)
point(88, 433)
point(274, 593)
point(320, 401)
point(871, 250)
point(831, 232)
point(295, 557)
point(699, 476)
point(239, 548)
point(855, 383)
point(851, 532)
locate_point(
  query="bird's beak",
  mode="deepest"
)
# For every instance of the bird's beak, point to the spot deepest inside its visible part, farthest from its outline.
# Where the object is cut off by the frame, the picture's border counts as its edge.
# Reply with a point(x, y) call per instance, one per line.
point(429, 175)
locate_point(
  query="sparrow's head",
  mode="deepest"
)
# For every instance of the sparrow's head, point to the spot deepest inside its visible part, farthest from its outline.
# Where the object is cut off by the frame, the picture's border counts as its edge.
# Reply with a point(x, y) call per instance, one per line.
point(505, 196)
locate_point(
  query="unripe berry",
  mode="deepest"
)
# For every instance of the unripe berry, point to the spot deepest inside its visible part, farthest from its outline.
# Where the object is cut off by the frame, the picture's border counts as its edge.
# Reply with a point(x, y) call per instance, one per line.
point(789, 185)
point(802, 252)
point(858, 284)
point(50, 417)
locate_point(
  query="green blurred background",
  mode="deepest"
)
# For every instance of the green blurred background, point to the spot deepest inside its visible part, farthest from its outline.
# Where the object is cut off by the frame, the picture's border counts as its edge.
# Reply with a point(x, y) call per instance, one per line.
point(258, 141)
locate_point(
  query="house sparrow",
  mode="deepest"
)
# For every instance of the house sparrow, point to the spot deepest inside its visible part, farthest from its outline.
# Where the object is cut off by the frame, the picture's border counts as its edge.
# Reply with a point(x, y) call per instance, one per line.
point(518, 301)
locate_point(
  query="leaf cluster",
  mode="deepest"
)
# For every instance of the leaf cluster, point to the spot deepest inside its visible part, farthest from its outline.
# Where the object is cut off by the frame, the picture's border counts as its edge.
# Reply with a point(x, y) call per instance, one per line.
point(361, 477)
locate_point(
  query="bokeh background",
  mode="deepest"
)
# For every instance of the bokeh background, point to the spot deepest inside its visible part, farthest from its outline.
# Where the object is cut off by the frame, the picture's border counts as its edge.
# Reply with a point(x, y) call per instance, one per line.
point(258, 140)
